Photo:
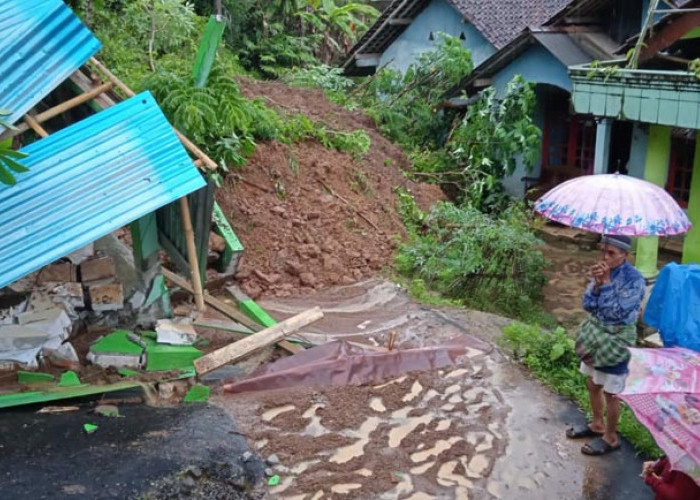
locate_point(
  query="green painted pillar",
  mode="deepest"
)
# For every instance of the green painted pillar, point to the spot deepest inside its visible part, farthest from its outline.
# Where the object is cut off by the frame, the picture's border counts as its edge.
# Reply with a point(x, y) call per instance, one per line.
point(207, 50)
point(691, 244)
point(655, 170)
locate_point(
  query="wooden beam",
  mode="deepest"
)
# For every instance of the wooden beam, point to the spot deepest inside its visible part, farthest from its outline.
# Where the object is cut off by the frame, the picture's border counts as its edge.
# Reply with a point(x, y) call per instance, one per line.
point(65, 106)
point(238, 350)
point(400, 21)
point(227, 309)
point(669, 34)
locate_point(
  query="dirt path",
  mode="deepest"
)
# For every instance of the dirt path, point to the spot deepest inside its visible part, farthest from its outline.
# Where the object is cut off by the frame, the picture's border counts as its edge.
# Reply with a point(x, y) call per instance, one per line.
point(481, 429)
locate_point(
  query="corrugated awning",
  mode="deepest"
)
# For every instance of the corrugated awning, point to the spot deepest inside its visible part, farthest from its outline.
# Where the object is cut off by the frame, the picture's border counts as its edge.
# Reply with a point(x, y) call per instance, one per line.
point(563, 48)
point(89, 179)
point(44, 42)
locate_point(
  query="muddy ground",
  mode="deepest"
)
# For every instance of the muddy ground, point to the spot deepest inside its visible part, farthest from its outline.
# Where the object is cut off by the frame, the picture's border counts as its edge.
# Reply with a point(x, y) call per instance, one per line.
point(479, 429)
point(311, 217)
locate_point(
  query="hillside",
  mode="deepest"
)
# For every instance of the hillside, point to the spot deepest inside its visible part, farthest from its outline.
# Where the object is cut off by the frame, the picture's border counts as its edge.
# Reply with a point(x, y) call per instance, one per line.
point(309, 216)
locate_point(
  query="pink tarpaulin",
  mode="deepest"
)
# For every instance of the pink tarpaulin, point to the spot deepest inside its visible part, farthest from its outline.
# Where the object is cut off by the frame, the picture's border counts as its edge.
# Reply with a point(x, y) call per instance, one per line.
point(345, 363)
point(663, 390)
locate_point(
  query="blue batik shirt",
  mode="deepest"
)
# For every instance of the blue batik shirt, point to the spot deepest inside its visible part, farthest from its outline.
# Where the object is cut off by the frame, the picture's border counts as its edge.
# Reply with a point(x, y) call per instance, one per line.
point(617, 302)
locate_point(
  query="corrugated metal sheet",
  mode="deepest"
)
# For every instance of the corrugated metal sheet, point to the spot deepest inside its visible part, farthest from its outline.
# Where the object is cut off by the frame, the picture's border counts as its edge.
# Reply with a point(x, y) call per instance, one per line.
point(563, 48)
point(44, 42)
point(88, 180)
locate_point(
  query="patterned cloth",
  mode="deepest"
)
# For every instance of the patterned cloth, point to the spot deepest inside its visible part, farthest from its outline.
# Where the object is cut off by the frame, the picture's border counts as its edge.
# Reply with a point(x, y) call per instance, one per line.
point(619, 301)
point(600, 345)
point(663, 390)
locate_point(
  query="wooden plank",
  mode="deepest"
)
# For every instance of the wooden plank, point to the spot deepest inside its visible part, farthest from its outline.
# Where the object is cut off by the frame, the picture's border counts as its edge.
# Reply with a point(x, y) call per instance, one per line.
point(238, 350)
point(228, 310)
point(227, 326)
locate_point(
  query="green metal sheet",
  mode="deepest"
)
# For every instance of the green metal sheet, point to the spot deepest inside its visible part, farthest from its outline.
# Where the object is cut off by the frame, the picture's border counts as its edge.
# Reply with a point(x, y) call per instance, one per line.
point(613, 105)
point(597, 106)
point(688, 116)
point(668, 112)
point(582, 102)
point(58, 393)
point(632, 108)
point(650, 110)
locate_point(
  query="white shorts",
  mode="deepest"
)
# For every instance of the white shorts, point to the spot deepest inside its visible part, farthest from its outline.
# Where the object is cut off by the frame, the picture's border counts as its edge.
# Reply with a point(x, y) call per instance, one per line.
point(612, 383)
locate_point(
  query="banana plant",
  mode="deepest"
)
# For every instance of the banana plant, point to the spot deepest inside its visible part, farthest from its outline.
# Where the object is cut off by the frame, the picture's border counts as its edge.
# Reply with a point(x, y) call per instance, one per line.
point(340, 24)
point(9, 157)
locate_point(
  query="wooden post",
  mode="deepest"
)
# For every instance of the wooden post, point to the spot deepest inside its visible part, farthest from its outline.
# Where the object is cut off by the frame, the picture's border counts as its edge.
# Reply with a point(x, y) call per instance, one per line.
point(238, 350)
point(192, 254)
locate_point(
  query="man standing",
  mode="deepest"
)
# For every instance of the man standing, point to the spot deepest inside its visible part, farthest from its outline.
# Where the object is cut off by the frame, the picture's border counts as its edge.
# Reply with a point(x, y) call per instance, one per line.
point(613, 299)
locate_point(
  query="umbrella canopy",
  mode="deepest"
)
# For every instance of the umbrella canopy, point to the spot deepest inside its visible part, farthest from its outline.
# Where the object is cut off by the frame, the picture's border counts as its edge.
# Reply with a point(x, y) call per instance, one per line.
point(663, 391)
point(614, 204)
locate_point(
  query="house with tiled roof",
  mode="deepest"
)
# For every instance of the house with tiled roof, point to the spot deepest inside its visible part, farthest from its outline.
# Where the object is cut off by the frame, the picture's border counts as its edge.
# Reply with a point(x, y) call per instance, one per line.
point(407, 28)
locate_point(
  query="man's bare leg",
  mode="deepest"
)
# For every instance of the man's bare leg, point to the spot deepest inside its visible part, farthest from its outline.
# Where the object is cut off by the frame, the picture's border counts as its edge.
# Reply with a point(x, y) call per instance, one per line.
point(612, 404)
point(595, 392)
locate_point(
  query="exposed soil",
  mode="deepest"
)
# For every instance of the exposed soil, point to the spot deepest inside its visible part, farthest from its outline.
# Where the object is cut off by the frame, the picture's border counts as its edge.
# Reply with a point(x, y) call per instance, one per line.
point(333, 220)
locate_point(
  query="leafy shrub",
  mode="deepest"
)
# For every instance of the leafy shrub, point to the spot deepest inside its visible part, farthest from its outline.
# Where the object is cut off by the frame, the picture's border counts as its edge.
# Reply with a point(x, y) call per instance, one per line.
point(551, 357)
point(403, 105)
point(318, 76)
point(216, 116)
point(489, 262)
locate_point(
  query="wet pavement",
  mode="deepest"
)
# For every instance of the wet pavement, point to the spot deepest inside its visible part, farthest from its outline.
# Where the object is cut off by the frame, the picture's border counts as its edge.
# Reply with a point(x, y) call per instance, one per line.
point(537, 460)
point(51, 456)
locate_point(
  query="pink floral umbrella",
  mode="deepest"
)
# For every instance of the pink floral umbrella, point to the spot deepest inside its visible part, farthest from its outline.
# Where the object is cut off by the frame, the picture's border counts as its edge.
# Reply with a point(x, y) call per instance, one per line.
point(663, 391)
point(614, 204)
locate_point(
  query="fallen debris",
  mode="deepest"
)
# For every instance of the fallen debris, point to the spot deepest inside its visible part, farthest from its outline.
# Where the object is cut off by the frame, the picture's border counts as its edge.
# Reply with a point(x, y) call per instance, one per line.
point(263, 338)
point(226, 309)
point(197, 394)
point(90, 428)
point(57, 409)
point(176, 332)
point(110, 411)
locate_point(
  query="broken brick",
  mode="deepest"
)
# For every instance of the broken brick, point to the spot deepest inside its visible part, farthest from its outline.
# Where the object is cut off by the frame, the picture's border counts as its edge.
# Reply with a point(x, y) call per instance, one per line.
point(97, 269)
point(64, 271)
point(106, 297)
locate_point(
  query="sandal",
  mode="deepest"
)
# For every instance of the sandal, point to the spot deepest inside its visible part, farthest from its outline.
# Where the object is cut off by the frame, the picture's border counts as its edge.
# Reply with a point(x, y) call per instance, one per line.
point(581, 431)
point(598, 447)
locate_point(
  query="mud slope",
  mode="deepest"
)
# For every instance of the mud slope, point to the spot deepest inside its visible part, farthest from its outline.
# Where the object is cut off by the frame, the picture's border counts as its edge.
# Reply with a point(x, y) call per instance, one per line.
point(310, 217)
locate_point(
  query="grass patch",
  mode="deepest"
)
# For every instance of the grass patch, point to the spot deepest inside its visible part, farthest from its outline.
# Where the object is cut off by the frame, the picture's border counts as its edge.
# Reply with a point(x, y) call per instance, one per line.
point(550, 355)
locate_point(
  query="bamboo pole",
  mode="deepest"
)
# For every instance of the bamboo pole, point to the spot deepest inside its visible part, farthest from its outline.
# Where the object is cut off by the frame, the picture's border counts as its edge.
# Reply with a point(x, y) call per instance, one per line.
point(192, 254)
point(34, 125)
point(185, 141)
point(65, 106)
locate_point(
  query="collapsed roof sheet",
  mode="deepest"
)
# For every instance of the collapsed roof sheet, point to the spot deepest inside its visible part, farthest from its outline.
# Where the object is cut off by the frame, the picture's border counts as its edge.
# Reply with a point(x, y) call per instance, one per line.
point(44, 42)
point(89, 179)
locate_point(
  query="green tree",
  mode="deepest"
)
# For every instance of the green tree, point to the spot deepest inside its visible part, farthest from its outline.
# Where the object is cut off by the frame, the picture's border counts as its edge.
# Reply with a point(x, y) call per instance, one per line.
point(9, 164)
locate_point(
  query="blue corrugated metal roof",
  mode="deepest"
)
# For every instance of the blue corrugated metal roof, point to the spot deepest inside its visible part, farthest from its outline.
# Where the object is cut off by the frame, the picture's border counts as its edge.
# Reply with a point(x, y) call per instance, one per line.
point(88, 180)
point(44, 42)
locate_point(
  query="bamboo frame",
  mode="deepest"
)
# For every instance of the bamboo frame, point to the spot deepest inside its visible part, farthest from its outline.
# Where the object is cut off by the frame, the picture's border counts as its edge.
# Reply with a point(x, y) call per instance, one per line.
point(34, 125)
point(63, 107)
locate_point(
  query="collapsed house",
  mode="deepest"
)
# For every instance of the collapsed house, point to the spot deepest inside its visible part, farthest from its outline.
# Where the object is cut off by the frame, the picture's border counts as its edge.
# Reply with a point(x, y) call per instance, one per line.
point(109, 185)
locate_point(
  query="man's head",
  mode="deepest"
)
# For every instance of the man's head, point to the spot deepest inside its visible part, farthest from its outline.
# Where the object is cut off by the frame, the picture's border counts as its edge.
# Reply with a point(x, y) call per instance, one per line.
point(615, 250)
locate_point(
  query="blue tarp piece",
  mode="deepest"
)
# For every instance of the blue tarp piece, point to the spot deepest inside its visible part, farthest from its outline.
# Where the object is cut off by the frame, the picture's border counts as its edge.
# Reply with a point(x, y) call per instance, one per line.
point(674, 306)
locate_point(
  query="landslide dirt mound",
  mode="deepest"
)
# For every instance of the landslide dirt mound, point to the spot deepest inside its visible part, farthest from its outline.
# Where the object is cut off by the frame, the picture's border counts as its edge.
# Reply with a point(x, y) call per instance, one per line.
point(310, 217)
